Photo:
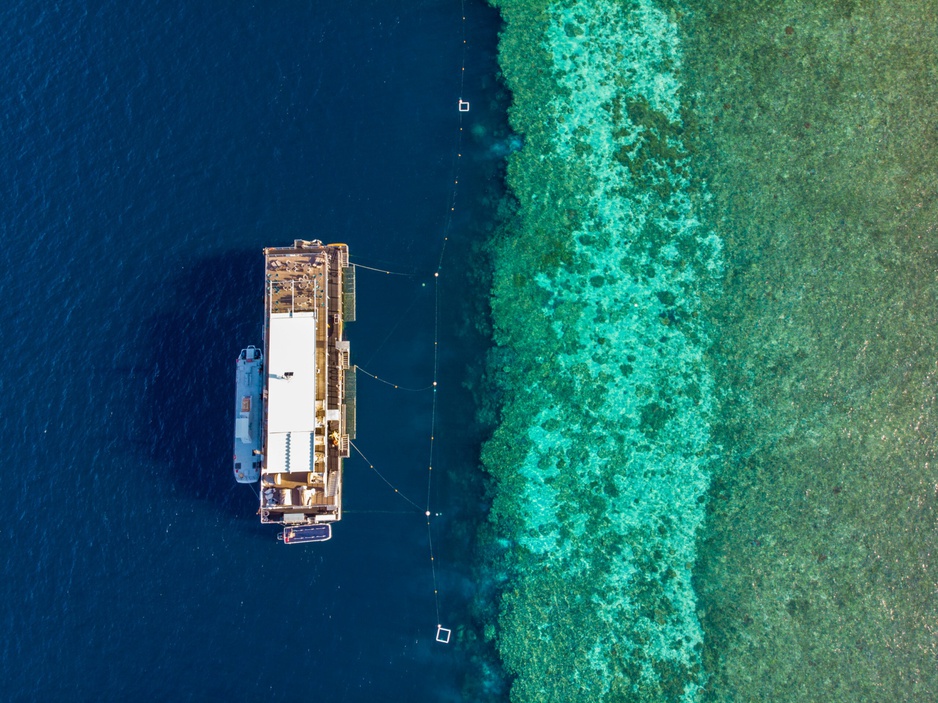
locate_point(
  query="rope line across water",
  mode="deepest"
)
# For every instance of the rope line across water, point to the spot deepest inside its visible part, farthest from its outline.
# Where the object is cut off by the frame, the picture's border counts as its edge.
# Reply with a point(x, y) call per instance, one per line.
point(395, 385)
point(389, 273)
point(381, 476)
point(447, 225)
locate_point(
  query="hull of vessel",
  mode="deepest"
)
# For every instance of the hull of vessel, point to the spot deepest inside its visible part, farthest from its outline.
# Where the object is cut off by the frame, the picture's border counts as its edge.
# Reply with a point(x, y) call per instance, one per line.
point(308, 392)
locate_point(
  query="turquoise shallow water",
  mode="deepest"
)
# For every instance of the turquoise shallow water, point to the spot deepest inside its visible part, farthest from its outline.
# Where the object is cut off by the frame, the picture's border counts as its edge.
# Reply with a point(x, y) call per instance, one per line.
point(714, 305)
point(603, 455)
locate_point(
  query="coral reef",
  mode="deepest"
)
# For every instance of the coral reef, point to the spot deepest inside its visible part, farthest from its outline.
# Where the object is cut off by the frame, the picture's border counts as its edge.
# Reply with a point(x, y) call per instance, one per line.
point(602, 451)
point(793, 436)
point(817, 139)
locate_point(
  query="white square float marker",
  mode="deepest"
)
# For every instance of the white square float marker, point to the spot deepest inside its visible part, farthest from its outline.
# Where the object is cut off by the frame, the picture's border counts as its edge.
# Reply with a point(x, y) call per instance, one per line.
point(463, 106)
point(442, 634)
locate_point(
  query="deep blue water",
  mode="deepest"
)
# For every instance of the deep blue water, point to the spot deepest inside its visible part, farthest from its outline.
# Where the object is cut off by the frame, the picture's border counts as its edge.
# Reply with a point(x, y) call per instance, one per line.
point(147, 154)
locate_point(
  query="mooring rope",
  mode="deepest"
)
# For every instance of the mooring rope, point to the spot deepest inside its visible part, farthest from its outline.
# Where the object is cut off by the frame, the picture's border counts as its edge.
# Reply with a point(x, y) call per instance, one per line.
point(381, 476)
point(394, 385)
point(389, 273)
point(443, 634)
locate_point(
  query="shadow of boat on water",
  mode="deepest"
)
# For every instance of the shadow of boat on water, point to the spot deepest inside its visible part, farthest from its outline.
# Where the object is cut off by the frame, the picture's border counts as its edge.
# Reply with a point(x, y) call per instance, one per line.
point(214, 309)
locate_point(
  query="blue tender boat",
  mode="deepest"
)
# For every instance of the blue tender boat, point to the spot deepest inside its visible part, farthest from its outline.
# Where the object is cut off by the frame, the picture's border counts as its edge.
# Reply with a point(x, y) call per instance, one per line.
point(306, 533)
point(248, 416)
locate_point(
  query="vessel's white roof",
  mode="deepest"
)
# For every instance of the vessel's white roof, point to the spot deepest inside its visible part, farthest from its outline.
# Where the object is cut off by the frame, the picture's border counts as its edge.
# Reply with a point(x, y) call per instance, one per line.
point(291, 399)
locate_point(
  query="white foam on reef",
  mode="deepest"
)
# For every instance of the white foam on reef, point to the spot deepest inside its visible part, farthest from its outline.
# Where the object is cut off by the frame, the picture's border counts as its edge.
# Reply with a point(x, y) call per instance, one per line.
point(635, 436)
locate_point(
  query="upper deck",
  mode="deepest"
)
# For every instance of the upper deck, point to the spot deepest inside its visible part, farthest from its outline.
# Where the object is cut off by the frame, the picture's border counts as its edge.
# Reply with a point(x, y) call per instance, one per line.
point(308, 400)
